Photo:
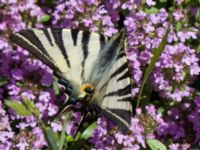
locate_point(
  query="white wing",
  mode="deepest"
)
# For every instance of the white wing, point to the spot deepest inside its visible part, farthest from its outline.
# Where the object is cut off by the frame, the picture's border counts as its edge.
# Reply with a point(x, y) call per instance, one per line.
point(84, 57)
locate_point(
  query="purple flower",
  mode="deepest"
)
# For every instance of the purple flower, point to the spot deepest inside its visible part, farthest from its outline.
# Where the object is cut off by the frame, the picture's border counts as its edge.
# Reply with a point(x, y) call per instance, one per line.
point(150, 2)
point(128, 5)
point(40, 140)
point(106, 20)
point(120, 137)
point(28, 95)
point(13, 89)
point(56, 126)
point(109, 31)
point(46, 79)
point(23, 144)
point(197, 102)
point(177, 146)
point(41, 106)
point(44, 96)
point(71, 128)
point(17, 74)
point(52, 109)
point(194, 69)
point(130, 23)
point(178, 15)
point(174, 147)
point(87, 22)
point(179, 1)
point(115, 3)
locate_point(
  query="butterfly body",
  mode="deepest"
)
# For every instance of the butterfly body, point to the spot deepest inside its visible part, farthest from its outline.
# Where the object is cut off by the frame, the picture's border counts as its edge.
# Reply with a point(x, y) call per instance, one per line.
point(93, 64)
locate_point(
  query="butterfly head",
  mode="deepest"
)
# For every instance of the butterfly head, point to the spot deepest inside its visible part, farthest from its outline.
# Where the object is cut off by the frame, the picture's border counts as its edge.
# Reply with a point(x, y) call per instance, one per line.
point(87, 88)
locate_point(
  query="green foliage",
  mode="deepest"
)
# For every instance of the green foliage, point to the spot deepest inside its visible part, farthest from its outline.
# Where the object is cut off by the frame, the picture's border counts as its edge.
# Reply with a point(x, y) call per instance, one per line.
point(198, 49)
point(31, 107)
point(56, 88)
point(45, 18)
point(150, 67)
point(146, 94)
point(88, 131)
point(63, 136)
point(151, 10)
point(18, 107)
point(50, 137)
point(3, 81)
point(197, 16)
point(156, 144)
point(24, 108)
point(19, 84)
point(178, 26)
point(163, 1)
point(77, 145)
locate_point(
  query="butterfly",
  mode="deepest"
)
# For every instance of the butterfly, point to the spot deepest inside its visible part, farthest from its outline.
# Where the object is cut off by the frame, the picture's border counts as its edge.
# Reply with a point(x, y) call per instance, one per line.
point(95, 65)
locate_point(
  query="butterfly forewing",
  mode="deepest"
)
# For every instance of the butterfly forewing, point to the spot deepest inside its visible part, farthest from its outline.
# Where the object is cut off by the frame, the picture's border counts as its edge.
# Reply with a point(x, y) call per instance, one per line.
point(84, 57)
point(70, 53)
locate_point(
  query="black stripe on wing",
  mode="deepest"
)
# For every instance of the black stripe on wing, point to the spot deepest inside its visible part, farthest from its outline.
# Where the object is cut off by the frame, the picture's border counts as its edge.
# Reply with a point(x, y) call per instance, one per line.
point(120, 69)
point(46, 32)
point(32, 38)
point(57, 34)
point(34, 51)
point(125, 99)
point(120, 92)
point(124, 76)
point(84, 41)
point(102, 41)
point(74, 34)
point(121, 55)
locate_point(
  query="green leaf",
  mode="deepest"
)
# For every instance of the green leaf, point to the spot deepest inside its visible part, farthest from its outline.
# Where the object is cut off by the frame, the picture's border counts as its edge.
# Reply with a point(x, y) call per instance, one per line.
point(178, 26)
point(3, 81)
point(163, 1)
point(50, 138)
point(125, 12)
point(69, 138)
point(152, 10)
point(31, 107)
point(160, 110)
point(150, 67)
point(88, 131)
point(63, 135)
point(45, 18)
point(198, 49)
point(20, 84)
point(55, 87)
point(18, 107)
point(147, 92)
point(156, 144)
point(77, 145)
point(197, 16)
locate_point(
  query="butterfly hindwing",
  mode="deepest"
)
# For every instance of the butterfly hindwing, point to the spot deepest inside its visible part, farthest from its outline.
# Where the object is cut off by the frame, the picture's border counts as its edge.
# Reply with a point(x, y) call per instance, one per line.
point(113, 86)
point(116, 103)
point(85, 57)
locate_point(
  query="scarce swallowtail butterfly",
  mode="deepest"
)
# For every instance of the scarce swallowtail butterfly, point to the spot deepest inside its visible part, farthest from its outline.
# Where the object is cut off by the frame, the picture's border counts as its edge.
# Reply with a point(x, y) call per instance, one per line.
point(89, 61)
